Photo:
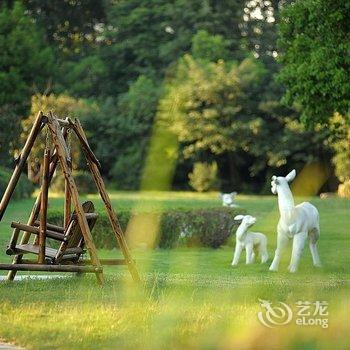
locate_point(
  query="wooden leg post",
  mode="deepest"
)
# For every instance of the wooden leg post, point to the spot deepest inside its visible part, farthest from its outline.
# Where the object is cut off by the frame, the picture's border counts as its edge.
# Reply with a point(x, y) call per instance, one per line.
point(43, 207)
point(67, 204)
point(108, 205)
point(21, 164)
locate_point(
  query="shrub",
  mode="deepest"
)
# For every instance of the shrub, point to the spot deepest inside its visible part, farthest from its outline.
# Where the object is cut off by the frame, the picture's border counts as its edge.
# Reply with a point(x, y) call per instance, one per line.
point(203, 176)
point(83, 179)
point(203, 227)
point(344, 189)
point(24, 188)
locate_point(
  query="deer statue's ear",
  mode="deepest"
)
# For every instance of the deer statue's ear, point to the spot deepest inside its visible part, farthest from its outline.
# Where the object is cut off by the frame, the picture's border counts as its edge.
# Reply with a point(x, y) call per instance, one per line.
point(291, 176)
point(239, 217)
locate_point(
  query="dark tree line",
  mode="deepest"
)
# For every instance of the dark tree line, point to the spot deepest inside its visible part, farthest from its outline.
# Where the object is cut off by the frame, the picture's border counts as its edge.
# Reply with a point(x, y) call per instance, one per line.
point(122, 60)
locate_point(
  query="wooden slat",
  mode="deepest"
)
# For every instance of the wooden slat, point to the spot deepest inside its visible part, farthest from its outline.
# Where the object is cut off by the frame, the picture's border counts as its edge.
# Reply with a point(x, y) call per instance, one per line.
point(49, 252)
point(58, 229)
point(34, 249)
point(36, 230)
point(74, 234)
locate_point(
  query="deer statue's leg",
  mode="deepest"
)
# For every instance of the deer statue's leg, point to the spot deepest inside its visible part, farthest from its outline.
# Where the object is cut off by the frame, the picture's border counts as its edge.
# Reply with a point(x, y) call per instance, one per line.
point(298, 246)
point(263, 251)
point(249, 254)
point(237, 254)
point(282, 241)
point(313, 236)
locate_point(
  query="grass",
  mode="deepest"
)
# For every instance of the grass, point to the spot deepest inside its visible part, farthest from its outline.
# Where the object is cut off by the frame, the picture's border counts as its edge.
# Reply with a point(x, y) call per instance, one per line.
point(190, 298)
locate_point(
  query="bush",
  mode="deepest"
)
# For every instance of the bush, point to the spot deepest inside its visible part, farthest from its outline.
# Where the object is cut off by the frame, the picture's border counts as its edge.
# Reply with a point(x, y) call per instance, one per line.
point(203, 227)
point(24, 188)
point(203, 176)
point(344, 190)
point(83, 180)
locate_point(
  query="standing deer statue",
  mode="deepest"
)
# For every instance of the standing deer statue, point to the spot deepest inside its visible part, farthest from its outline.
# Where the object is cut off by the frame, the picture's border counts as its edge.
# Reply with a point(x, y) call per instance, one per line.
point(298, 223)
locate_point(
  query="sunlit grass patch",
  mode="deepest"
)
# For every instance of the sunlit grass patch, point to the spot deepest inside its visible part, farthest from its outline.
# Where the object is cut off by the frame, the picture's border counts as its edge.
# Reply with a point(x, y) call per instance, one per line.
point(190, 297)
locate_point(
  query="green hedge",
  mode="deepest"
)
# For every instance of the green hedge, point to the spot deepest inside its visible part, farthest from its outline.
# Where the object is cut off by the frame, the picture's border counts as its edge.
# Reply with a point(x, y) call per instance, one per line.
point(24, 188)
point(204, 227)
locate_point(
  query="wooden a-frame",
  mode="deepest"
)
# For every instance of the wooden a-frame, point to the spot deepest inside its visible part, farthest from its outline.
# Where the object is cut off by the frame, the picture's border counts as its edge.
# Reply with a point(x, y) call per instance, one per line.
point(58, 129)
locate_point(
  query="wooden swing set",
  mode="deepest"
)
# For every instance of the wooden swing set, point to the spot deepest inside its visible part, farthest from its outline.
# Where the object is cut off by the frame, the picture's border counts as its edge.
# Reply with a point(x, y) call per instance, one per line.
point(74, 237)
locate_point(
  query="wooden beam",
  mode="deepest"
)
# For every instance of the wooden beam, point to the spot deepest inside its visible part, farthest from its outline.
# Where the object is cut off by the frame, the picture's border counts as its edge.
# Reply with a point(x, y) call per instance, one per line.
point(20, 164)
point(36, 231)
point(67, 200)
point(85, 145)
point(63, 156)
point(14, 238)
point(43, 206)
point(51, 227)
point(52, 268)
point(108, 205)
point(67, 205)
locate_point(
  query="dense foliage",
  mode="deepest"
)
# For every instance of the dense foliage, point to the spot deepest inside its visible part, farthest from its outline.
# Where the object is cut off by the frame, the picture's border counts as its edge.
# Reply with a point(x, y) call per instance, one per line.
point(181, 83)
point(24, 188)
point(25, 62)
point(204, 177)
point(315, 44)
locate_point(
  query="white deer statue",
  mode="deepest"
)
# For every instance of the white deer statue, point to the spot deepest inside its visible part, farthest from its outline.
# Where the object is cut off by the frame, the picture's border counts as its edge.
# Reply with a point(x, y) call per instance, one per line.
point(299, 223)
point(249, 240)
point(228, 199)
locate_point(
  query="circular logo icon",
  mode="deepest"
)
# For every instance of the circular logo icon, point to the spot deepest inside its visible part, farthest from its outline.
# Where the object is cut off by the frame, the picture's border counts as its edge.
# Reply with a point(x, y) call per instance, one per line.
point(272, 316)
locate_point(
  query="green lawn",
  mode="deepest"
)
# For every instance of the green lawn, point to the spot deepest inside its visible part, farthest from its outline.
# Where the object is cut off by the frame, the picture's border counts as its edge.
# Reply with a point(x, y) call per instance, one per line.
point(190, 298)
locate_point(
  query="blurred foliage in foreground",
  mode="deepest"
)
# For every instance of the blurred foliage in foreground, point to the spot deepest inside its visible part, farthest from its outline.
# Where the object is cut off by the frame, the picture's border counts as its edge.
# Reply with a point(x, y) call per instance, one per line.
point(205, 69)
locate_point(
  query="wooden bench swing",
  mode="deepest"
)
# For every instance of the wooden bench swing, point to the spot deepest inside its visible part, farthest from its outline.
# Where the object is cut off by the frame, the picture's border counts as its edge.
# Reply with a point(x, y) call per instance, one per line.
point(75, 235)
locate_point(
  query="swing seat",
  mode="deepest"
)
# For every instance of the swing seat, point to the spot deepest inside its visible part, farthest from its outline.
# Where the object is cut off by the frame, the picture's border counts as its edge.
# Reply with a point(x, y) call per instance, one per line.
point(71, 240)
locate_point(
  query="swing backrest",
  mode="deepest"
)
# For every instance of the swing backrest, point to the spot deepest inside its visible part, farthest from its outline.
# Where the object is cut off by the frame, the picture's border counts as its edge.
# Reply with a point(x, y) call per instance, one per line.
point(74, 236)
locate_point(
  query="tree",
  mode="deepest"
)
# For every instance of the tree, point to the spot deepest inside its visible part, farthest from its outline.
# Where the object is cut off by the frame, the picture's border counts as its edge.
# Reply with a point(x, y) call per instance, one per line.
point(25, 65)
point(63, 106)
point(220, 111)
point(209, 47)
point(69, 25)
point(203, 176)
point(121, 135)
point(83, 78)
point(205, 107)
point(145, 37)
point(208, 115)
point(314, 45)
point(340, 143)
